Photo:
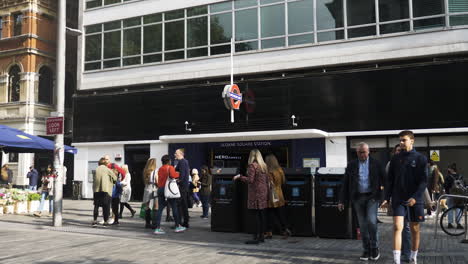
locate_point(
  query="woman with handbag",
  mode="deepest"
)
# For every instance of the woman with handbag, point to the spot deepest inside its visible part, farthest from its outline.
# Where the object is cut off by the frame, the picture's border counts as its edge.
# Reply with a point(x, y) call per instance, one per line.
point(275, 210)
point(167, 174)
point(257, 185)
point(150, 178)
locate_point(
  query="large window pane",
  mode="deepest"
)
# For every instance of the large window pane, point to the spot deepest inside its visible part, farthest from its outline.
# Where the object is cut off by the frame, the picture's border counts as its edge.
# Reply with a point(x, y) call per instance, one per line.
point(195, 11)
point(92, 66)
point(301, 39)
point(329, 14)
point(174, 35)
point(131, 61)
point(132, 41)
point(174, 14)
point(301, 16)
point(178, 55)
point(246, 46)
point(456, 6)
point(112, 25)
point(152, 58)
point(394, 28)
point(152, 38)
point(361, 32)
point(93, 47)
point(246, 24)
point(273, 43)
point(272, 20)
point(94, 28)
point(110, 2)
point(220, 50)
point(361, 12)
point(224, 6)
point(436, 22)
point(94, 3)
point(244, 3)
point(135, 21)
point(393, 10)
point(459, 20)
point(197, 32)
point(427, 8)
point(152, 18)
point(112, 44)
point(197, 53)
point(221, 28)
point(330, 36)
point(111, 63)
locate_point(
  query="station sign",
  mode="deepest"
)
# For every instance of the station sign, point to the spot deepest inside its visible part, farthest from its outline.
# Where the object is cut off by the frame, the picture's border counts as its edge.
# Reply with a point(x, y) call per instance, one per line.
point(232, 97)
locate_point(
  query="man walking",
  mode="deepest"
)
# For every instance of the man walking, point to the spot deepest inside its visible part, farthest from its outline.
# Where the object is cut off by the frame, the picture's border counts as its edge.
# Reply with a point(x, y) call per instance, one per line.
point(407, 178)
point(184, 172)
point(33, 176)
point(362, 186)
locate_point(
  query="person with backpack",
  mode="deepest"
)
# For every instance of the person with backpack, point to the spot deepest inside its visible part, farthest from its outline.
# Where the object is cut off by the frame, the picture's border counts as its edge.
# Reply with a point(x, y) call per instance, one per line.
point(452, 183)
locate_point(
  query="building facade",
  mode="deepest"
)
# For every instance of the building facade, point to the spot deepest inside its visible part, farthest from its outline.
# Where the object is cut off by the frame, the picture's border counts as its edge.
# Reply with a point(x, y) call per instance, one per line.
point(151, 74)
point(27, 74)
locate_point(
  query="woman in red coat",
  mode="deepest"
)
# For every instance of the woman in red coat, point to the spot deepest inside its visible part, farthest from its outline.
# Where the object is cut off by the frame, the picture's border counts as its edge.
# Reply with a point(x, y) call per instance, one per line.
point(257, 180)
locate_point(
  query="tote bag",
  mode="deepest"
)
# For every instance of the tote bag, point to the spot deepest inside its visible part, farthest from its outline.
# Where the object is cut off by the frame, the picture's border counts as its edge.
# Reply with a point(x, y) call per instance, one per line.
point(171, 190)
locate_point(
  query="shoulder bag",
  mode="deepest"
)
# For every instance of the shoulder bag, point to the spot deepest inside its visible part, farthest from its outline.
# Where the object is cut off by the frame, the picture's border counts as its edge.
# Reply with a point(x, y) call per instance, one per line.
point(171, 189)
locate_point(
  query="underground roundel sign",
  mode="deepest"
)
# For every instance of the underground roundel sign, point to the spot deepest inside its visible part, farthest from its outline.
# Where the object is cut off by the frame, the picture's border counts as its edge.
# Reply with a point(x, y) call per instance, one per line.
point(232, 97)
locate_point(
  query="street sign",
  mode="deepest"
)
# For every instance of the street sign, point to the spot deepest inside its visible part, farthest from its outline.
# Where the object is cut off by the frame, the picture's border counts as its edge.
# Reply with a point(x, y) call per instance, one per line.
point(54, 125)
point(435, 155)
point(232, 97)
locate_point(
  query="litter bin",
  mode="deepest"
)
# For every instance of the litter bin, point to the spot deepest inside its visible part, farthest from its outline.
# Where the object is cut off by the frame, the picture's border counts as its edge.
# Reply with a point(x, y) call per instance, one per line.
point(298, 192)
point(77, 187)
point(330, 222)
point(224, 201)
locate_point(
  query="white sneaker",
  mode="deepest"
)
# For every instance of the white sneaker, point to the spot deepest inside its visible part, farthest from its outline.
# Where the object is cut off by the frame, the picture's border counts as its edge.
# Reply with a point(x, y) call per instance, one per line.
point(413, 261)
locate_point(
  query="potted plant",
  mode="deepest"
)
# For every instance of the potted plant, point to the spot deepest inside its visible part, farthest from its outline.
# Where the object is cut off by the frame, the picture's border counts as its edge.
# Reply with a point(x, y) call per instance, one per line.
point(21, 204)
point(2, 201)
point(33, 202)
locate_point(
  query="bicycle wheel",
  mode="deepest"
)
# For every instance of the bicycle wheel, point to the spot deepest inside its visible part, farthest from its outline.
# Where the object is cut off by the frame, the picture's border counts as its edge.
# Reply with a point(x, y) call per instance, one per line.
point(444, 222)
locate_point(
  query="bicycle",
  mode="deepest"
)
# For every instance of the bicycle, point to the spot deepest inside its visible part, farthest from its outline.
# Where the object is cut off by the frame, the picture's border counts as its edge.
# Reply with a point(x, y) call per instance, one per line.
point(458, 211)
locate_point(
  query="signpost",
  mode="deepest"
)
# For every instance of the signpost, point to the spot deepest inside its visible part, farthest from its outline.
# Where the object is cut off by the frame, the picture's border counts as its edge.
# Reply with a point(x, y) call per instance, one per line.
point(231, 93)
point(54, 125)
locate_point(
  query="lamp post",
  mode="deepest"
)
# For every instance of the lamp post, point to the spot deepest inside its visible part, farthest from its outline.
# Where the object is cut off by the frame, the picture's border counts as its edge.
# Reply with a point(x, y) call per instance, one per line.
point(60, 84)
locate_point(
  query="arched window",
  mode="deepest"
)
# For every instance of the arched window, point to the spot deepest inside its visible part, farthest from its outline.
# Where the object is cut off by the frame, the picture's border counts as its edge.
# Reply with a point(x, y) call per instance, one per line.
point(14, 84)
point(46, 85)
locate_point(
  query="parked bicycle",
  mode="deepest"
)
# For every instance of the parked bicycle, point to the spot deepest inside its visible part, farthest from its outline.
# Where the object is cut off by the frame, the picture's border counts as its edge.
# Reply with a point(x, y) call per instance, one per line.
point(459, 210)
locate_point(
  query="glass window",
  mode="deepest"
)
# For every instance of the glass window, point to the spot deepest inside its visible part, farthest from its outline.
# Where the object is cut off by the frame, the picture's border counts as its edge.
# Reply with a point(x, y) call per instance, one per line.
point(272, 20)
point(131, 61)
point(92, 66)
point(152, 38)
point(18, 24)
point(112, 44)
point(329, 14)
point(264, 2)
point(46, 85)
point(196, 11)
point(92, 4)
point(178, 55)
point(393, 10)
point(244, 3)
point(132, 22)
point(361, 12)
point(112, 25)
point(361, 32)
point(273, 43)
point(197, 32)
point(132, 41)
point(1, 27)
point(174, 14)
point(110, 2)
point(246, 46)
point(221, 28)
point(301, 39)
point(94, 28)
point(456, 6)
point(394, 28)
point(224, 6)
point(429, 23)
point(152, 18)
point(197, 53)
point(220, 49)
point(14, 84)
point(111, 63)
point(93, 47)
point(152, 58)
point(174, 35)
point(330, 36)
point(459, 20)
point(246, 24)
point(300, 16)
point(427, 8)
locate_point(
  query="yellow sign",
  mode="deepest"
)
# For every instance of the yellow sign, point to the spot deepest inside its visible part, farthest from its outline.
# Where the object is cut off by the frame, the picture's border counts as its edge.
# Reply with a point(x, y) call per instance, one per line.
point(435, 155)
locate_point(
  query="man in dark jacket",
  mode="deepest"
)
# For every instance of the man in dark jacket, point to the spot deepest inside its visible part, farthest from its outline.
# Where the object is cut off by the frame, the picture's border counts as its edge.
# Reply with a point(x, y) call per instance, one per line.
point(407, 178)
point(183, 168)
point(363, 184)
point(33, 176)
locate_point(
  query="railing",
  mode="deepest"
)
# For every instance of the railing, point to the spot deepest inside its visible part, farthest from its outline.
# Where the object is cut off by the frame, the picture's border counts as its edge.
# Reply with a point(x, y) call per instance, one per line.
point(465, 240)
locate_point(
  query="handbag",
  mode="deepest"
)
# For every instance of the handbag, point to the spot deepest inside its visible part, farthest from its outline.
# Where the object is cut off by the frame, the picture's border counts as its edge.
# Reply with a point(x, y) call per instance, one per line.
point(154, 193)
point(273, 195)
point(171, 189)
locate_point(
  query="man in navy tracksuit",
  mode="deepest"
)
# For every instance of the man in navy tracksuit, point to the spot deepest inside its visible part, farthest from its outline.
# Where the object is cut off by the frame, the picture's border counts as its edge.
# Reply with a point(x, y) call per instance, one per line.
point(184, 172)
point(407, 178)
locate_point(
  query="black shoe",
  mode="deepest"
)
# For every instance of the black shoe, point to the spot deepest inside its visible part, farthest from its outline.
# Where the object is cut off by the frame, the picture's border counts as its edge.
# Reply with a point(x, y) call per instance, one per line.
point(378, 221)
point(450, 226)
point(133, 213)
point(375, 254)
point(115, 223)
point(364, 256)
point(120, 216)
point(459, 226)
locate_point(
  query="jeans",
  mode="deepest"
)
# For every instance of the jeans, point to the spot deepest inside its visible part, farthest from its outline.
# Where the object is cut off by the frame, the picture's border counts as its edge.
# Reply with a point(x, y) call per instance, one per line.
point(450, 213)
point(182, 204)
point(51, 202)
point(162, 202)
point(205, 200)
point(405, 241)
point(33, 187)
point(366, 211)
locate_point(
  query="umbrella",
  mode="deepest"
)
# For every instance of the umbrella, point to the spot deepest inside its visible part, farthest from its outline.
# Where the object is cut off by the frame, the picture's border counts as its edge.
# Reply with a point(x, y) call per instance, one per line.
point(14, 140)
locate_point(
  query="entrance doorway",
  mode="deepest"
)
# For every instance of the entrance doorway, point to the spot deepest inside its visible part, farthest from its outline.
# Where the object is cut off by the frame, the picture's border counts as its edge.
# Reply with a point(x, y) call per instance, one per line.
point(136, 157)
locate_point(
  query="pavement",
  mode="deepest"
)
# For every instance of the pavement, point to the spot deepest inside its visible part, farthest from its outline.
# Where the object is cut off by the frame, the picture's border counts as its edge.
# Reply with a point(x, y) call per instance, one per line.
point(29, 239)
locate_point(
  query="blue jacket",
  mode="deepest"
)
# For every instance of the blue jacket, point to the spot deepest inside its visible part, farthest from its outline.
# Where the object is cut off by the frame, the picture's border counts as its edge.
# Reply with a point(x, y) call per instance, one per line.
point(33, 177)
point(407, 177)
point(184, 172)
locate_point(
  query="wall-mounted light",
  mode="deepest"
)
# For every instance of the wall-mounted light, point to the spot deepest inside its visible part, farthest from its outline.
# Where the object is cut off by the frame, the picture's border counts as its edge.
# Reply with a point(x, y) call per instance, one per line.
point(187, 128)
point(294, 123)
